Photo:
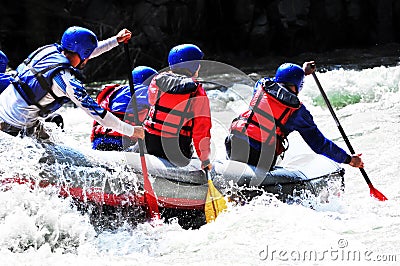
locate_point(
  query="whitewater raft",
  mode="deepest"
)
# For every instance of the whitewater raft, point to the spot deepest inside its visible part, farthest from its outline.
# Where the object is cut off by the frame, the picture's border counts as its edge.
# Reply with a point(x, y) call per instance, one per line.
point(119, 183)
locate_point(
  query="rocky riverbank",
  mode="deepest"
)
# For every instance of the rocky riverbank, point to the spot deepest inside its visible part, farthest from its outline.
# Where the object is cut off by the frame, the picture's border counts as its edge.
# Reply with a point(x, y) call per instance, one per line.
point(246, 33)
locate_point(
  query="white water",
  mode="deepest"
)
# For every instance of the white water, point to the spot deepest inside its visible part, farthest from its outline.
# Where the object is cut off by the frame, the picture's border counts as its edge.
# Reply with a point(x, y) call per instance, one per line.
point(39, 228)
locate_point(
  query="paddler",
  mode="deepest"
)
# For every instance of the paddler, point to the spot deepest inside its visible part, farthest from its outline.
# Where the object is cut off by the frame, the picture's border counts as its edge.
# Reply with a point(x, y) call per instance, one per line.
point(116, 99)
point(180, 110)
point(49, 77)
point(259, 135)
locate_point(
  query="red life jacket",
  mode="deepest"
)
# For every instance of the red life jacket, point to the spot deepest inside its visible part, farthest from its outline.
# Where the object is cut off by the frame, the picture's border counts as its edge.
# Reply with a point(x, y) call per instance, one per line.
point(271, 107)
point(171, 114)
point(103, 99)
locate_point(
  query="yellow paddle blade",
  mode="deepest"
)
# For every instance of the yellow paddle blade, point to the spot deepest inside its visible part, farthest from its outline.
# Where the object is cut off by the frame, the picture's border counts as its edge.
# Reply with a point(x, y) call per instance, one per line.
point(215, 203)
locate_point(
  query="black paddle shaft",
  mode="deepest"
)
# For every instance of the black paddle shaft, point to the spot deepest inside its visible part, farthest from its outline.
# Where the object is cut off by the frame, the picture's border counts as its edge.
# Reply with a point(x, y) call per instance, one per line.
point(149, 195)
point(133, 96)
point(338, 125)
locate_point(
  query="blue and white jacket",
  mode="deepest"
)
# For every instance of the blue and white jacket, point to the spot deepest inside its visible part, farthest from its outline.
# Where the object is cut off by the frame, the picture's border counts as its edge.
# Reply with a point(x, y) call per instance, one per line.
point(21, 110)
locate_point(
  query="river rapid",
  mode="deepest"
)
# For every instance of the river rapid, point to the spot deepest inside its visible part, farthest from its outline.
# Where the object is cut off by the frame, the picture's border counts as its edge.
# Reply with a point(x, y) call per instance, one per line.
point(39, 228)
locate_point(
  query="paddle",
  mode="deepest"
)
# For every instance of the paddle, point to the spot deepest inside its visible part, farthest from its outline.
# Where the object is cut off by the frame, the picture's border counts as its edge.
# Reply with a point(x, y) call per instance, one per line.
point(373, 191)
point(215, 201)
point(149, 195)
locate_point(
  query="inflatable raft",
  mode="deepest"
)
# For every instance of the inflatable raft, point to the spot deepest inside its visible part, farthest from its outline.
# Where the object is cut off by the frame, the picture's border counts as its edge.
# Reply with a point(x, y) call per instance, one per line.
point(115, 181)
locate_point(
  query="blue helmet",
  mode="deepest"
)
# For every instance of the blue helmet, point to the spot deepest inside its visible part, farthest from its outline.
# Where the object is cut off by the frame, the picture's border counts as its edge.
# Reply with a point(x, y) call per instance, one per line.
point(185, 56)
point(3, 62)
point(290, 73)
point(79, 40)
point(143, 74)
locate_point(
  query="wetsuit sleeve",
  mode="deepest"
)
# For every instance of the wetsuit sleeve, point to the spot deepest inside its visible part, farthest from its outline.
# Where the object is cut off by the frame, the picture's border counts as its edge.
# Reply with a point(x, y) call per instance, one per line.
point(65, 84)
point(104, 46)
point(303, 122)
point(121, 102)
point(202, 125)
point(142, 98)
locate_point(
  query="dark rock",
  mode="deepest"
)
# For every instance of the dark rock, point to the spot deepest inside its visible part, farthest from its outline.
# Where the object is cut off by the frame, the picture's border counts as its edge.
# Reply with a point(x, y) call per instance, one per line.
point(230, 31)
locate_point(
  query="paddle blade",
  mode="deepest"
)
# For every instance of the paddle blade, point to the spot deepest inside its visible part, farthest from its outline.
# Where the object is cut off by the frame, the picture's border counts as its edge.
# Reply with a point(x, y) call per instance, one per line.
point(215, 203)
point(376, 193)
point(152, 211)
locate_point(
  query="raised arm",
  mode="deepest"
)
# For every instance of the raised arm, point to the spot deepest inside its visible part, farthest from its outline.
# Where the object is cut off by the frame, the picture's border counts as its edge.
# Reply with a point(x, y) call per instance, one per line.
point(110, 43)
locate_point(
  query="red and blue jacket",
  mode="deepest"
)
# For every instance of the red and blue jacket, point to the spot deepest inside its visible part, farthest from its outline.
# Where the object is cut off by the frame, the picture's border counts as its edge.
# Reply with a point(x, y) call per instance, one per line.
point(296, 118)
point(116, 99)
point(180, 106)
